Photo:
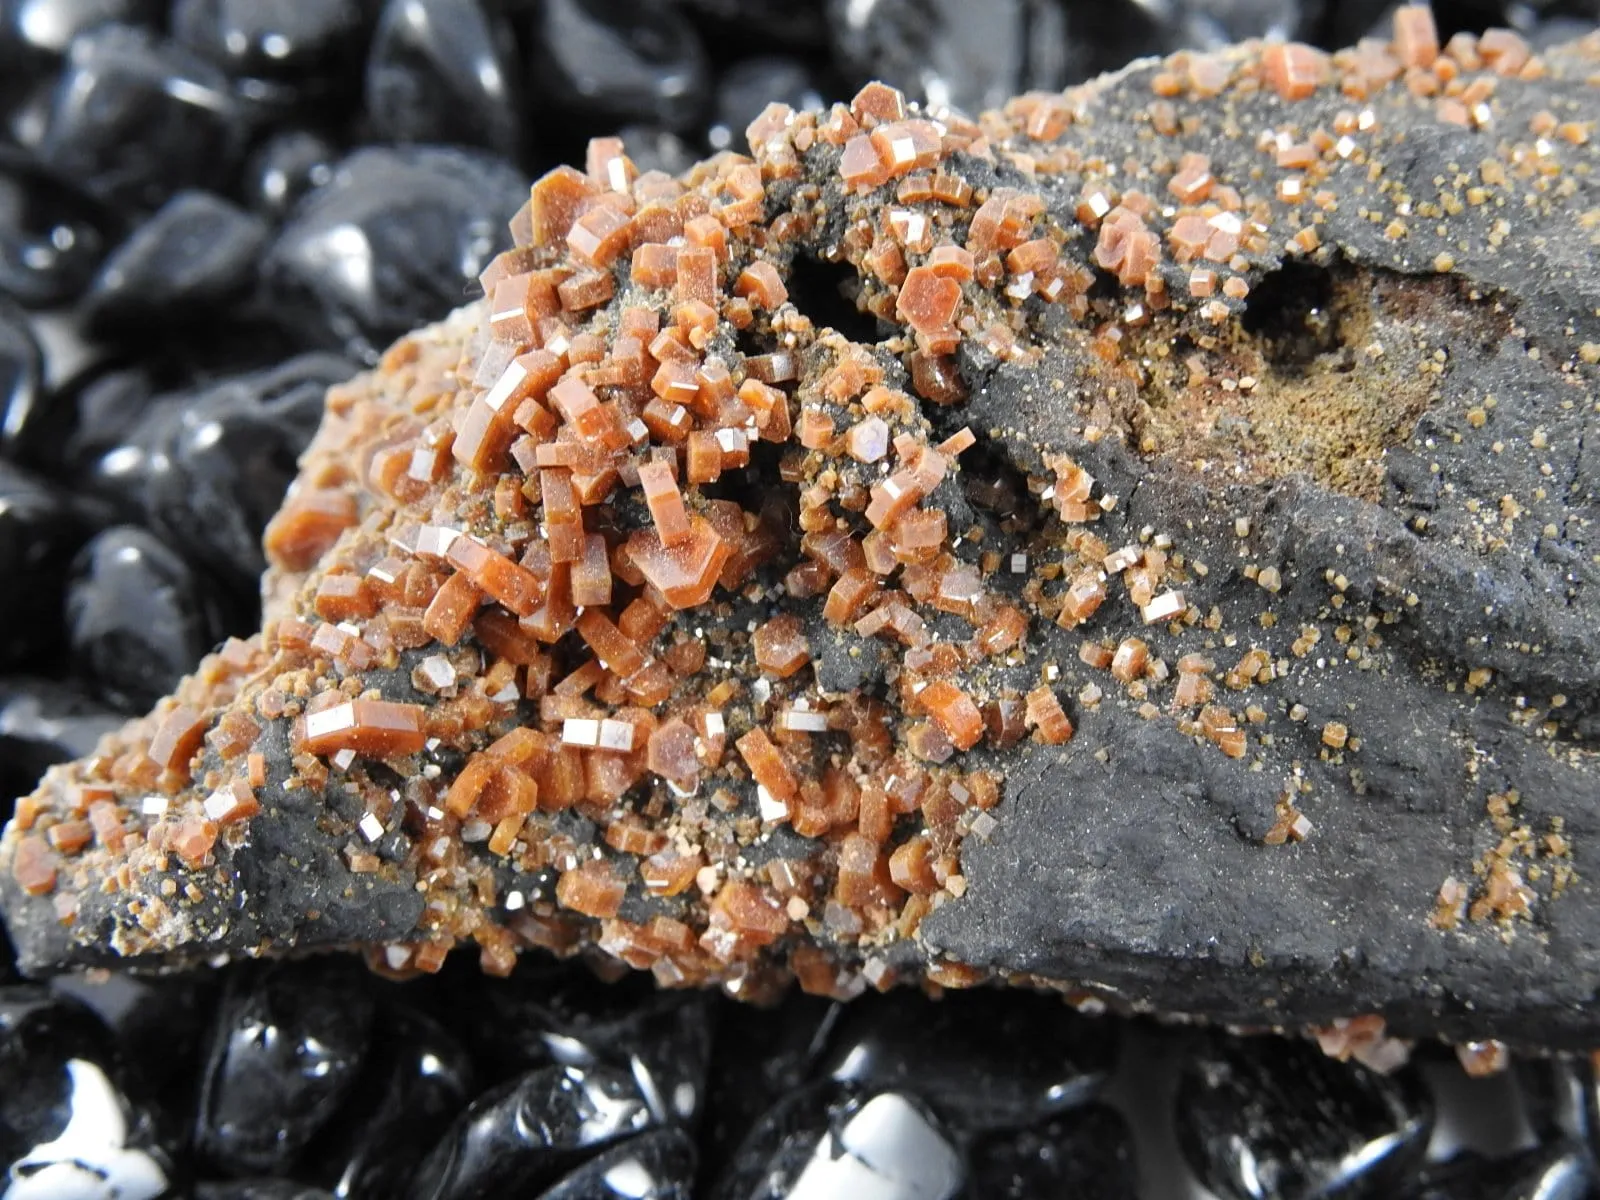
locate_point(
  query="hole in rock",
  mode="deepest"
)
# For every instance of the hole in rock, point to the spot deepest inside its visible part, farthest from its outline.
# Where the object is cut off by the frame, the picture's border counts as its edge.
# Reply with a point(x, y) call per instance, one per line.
point(826, 292)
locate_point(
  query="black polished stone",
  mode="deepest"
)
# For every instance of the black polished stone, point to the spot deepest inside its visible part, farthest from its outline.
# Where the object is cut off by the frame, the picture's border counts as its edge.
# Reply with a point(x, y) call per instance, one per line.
point(52, 237)
point(981, 1059)
point(48, 26)
point(442, 71)
point(67, 1128)
point(287, 1048)
point(827, 1141)
point(418, 1078)
point(524, 1135)
point(209, 467)
point(737, 27)
point(41, 528)
point(273, 38)
point(1560, 1171)
point(135, 118)
point(396, 239)
point(189, 263)
point(138, 618)
point(94, 411)
point(652, 1166)
point(748, 86)
point(22, 397)
point(653, 149)
point(44, 721)
point(260, 1189)
point(285, 168)
point(552, 1014)
point(968, 56)
point(1085, 1153)
point(605, 63)
point(1273, 1119)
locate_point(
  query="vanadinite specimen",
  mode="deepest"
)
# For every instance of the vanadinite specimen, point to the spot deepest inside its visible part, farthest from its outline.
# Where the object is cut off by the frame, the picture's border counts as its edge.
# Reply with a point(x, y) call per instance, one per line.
point(1167, 572)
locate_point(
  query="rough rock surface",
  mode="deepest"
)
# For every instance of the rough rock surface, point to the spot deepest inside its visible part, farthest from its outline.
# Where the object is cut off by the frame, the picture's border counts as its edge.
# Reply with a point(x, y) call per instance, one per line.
point(1282, 373)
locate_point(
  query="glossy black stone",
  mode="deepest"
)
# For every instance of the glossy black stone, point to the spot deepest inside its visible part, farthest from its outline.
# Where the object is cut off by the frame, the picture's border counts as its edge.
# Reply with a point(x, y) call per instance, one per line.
point(286, 1051)
point(135, 118)
point(259, 1189)
point(654, 149)
point(1560, 1098)
point(442, 71)
point(418, 1078)
point(524, 1135)
point(138, 618)
point(550, 1014)
point(968, 56)
point(21, 387)
point(1085, 1153)
point(652, 1166)
point(757, 26)
point(981, 1059)
point(209, 467)
point(272, 38)
point(48, 26)
point(285, 168)
point(829, 1141)
point(394, 240)
point(41, 528)
point(1270, 1119)
point(52, 237)
point(606, 63)
point(1560, 1171)
point(748, 86)
point(67, 1128)
point(44, 721)
point(190, 262)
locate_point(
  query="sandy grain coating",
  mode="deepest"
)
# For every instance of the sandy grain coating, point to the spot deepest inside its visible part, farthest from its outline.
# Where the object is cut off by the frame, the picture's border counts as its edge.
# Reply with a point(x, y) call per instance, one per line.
point(1239, 661)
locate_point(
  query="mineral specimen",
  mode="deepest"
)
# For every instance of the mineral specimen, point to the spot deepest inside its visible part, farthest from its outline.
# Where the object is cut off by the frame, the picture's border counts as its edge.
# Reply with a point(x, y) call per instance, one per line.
point(1171, 580)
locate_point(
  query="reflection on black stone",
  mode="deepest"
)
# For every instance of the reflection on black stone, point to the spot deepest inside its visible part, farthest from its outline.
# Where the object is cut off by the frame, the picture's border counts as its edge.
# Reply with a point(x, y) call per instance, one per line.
point(1085, 1153)
point(137, 617)
point(135, 118)
point(188, 263)
point(611, 62)
point(982, 1059)
point(524, 1135)
point(51, 237)
point(829, 1141)
point(1269, 1119)
point(288, 1045)
point(441, 71)
point(652, 1166)
point(44, 721)
point(66, 1127)
point(394, 240)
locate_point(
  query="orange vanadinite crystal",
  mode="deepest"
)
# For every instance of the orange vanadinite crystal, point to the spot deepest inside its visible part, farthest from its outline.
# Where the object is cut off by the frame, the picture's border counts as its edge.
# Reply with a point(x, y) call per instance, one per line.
point(780, 646)
point(767, 765)
point(1416, 39)
point(686, 573)
point(377, 728)
point(592, 888)
point(307, 525)
point(954, 712)
point(666, 503)
point(1294, 70)
point(1047, 718)
point(178, 738)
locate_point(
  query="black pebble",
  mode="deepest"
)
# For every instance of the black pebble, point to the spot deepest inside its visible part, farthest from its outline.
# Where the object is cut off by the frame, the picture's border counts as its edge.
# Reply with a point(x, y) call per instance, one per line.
point(285, 168)
point(442, 71)
point(138, 618)
point(44, 721)
point(273, 38)
point(613, 62)
point(41, 528)
point(21, 388)
point(66, 1124)
point(209, 467)
point(981, 1059)
point(1085, 1153)
point(187, 263)
point(526, 1134)
point(652, 1166)
point(1271, 1119)
point(52, 237)
point(287, 1048)
point(418, 1078)
point(394, 240)
point(134, 118)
